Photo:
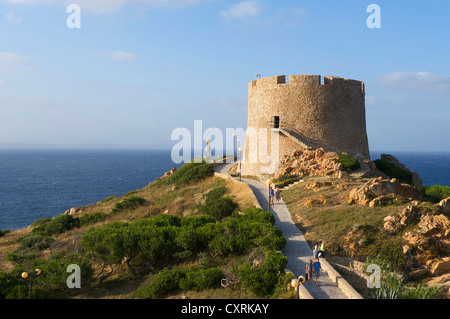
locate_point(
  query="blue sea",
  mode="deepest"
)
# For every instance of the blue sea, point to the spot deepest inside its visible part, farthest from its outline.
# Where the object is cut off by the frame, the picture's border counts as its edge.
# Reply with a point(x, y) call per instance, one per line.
point(44, 183)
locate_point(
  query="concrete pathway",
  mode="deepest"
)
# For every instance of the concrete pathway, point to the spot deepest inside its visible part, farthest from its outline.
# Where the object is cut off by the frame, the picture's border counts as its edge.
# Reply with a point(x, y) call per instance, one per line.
point(297, 249)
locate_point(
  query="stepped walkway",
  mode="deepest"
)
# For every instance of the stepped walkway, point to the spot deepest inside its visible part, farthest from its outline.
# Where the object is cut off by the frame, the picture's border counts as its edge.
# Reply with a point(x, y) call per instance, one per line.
point(297, 249)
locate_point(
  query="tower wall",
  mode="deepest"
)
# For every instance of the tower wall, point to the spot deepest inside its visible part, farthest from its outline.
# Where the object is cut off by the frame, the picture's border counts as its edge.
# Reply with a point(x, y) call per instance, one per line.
point(328, 113)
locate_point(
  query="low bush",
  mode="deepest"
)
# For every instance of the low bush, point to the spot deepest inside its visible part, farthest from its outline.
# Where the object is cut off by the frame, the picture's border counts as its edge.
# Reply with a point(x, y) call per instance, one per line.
point(394, 171)
point(38, 242)
point(216, 205)
point(129, 203)
point(58, 225)
point(107, 199)
point(93, 218)
point(196, 279)
point(263, 280)
point(4, 232)
point(190, 173)
point(436, 193)
point(161, 284)
point(40, 222)
point(349, 163)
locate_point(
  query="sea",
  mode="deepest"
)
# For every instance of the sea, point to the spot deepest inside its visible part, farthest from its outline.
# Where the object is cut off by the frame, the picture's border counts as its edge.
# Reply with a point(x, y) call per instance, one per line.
point(38, 183)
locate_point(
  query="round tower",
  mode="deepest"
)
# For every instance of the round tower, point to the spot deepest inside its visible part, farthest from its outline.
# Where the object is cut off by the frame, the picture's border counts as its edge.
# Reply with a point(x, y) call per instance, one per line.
point(303, 111)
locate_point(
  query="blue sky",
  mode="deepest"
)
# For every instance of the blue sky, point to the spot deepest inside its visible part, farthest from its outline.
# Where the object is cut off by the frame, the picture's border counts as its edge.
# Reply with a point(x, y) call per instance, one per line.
point(138, 69)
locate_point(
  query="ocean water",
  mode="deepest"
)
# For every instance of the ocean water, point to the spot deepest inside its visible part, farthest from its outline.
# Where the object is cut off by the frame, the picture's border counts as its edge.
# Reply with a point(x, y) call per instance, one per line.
point(43, 183)
point(433, 168)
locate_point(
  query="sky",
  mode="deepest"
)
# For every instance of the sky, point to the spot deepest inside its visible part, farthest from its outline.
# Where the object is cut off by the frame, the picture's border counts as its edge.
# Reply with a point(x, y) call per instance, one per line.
point(135, 70)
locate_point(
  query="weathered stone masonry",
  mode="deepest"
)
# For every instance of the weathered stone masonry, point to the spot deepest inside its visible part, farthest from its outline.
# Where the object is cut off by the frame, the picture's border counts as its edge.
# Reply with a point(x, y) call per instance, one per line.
point(327, 113)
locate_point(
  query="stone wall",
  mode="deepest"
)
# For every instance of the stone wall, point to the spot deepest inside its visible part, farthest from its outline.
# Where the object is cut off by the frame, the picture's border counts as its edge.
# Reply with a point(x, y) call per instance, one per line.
point(329, 115)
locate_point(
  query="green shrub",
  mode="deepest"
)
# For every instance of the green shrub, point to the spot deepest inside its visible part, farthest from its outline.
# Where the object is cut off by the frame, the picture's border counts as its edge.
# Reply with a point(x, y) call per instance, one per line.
point(40, 222)
point(162, 283)
point(129, 203)
point(52, 279)
point(216, 205)
point(349, 163)
point(263, 280)
point(436, 193)
point(391, 288)
point(196, 279)
point(390, 252)
point(190, 173)
point(420, 292)
point(35, 241)
point(4, 232)
point(240, 233)
point(58, 225)
point(107, 199)
point(394, 171)
point(93, 218)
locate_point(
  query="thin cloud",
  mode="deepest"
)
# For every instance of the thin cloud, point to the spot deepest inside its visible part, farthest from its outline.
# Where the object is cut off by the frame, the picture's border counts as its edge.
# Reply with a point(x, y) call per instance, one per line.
point(7, 58)
point(243, 10)
point(11, 17)
point(113, 6)
point(123, 56)
point(421, 81)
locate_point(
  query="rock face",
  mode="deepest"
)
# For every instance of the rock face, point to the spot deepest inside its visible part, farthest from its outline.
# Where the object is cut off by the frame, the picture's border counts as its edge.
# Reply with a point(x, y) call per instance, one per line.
point(411, 214)
point(432, 238)
point(445, 205)
point(391, 159)
point(167, 174)
point(440, 267)
point(378, 191)
point(309, 162)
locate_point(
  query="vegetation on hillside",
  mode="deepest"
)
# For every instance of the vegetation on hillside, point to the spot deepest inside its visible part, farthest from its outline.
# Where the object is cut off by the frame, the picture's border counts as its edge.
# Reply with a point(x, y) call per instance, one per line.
point(393, 171)
point(357, 232)
point(127, 244)
point(435, 193)
point(349, 163)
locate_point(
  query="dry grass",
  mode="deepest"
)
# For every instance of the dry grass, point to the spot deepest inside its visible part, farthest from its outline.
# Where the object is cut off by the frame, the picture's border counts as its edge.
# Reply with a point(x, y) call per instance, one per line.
point(181, 201)
point(330, 218)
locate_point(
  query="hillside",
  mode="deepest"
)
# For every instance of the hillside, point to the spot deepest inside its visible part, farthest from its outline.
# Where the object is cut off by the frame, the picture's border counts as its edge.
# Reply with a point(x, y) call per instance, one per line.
point(187, 234)
point(376, 219)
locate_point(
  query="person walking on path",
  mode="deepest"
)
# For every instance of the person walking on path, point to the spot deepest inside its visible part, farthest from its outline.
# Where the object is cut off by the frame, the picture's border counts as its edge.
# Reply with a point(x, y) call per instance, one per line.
point(270, 195)
point(309, 271)
point(321, 252)
point(317, 267)
point(316, 249)
point(277, 195)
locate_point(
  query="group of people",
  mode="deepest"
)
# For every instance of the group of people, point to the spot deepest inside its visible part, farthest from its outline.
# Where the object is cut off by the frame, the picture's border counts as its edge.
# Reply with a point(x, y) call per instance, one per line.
point(313, 268)
point(274, 194)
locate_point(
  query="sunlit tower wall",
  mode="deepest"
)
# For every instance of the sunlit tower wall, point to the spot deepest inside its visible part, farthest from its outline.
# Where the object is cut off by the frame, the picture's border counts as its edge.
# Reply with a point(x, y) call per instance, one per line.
point(304, 111)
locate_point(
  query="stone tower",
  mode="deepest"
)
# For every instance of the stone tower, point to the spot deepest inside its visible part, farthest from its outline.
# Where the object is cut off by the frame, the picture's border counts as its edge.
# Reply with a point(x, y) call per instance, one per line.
point(303, 111)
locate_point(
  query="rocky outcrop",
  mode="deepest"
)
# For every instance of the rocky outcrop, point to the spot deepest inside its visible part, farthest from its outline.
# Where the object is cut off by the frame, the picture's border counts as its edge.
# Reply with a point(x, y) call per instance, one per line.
point(391, 159)
point(167, 174)
point(440, 267)
point(445, 205)
point(409, 215)
point(309, 162)
point(378, 191)
point(432, 238)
